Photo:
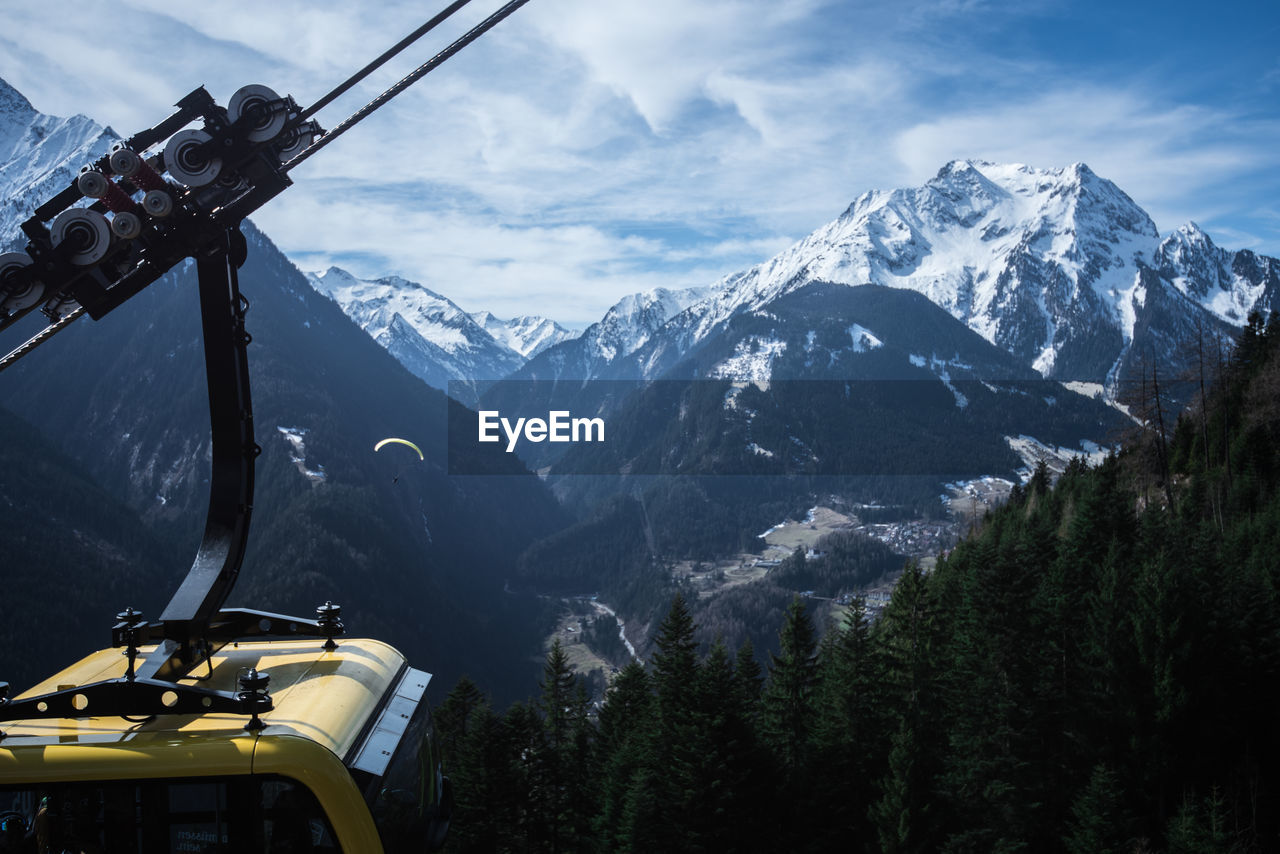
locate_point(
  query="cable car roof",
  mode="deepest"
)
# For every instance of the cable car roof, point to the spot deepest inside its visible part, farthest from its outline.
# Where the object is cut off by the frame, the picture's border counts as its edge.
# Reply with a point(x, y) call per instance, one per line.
point(324, 697)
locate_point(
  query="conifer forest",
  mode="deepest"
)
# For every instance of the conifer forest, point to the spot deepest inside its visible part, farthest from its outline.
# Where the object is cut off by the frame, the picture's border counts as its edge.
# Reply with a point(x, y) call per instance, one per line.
point(1095, 668)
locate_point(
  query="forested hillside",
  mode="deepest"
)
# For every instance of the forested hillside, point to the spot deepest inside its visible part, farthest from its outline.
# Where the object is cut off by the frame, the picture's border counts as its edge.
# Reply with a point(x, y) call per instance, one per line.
point(74, 555)
point(1097, 669)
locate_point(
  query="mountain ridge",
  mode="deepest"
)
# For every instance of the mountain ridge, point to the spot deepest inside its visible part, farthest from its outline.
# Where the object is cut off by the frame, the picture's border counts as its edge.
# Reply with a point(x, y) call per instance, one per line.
point(1054, 266)
point(440, 343)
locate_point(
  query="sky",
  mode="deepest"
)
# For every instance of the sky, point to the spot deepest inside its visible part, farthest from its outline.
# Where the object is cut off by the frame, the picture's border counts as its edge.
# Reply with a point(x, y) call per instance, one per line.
point(588, 149)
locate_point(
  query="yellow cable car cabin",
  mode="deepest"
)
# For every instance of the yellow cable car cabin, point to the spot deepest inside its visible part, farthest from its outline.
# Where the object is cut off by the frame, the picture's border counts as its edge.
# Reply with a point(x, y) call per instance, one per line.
point(342, 762)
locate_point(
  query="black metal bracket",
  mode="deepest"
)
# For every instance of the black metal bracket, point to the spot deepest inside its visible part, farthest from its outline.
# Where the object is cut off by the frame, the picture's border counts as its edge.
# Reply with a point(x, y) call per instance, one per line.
point(172, 659)
point(143, 698)
point(252, 174)
point(202, 593)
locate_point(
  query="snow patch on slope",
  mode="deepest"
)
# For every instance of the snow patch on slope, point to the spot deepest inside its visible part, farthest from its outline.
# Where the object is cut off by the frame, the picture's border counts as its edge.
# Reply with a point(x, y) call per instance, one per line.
point(863, 339)
point(752, 361)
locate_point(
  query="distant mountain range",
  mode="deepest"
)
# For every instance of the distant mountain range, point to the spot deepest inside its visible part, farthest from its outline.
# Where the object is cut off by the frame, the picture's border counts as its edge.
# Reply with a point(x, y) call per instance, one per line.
point(1058, 270)
point(1058, 267)
point(431, 336)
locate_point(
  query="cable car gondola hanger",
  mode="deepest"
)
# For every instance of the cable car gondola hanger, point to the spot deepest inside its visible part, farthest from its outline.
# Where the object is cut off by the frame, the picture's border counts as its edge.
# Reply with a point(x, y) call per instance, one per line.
point(91, 258)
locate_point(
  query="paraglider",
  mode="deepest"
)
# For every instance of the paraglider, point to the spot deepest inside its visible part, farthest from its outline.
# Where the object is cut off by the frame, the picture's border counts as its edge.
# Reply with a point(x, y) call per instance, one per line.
point(394, 440)
point(378, 447)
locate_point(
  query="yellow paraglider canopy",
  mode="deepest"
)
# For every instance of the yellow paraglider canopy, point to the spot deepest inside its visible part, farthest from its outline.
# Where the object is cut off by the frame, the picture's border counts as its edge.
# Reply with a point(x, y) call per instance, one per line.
point(378, 446)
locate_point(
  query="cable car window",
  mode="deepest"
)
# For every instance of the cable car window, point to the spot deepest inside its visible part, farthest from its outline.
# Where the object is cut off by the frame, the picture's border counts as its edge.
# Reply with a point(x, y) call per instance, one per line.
point(292, 820)
point(270, 815)
point(197, 817)
point(408, 802)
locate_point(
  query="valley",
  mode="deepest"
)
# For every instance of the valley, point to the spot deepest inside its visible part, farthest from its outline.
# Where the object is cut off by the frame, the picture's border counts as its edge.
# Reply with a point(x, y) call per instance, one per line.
point(703, 581)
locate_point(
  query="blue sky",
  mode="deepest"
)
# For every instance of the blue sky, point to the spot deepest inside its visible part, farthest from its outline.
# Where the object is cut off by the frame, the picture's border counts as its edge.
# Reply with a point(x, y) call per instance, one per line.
point(587, 149)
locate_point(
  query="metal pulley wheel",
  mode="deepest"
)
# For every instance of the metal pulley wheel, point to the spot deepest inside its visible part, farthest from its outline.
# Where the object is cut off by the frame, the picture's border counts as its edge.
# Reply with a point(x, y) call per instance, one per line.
point(255, 103)
point(18, 290)
point(233, 182)
point(126, 225)
point(86, 233)
point(295, 140)
point(186, 161)
point(124, 162)
point(93, 184)
point(158, 203)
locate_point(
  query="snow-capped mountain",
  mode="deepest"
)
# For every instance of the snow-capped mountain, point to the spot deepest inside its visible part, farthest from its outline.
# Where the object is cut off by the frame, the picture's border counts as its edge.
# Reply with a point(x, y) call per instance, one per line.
point(632, 320)
point(626, 327)
point(39, 155)
point(430, 335)
point(1058, 267)
point(527, 335)
point(1228, 284)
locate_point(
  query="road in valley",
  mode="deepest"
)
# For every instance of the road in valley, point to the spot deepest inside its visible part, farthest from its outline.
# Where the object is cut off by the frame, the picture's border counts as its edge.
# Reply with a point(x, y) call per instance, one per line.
point(622, 629)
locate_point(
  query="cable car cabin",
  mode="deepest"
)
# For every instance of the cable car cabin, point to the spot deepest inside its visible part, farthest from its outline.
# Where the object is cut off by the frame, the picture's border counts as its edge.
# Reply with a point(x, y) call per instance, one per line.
point(343, 762)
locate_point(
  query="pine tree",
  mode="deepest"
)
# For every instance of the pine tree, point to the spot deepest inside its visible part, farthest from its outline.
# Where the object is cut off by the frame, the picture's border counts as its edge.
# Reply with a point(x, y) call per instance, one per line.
point(850, 737)
point(904, 813)
point(1203, 827)
point(559, 758)
point(491, 784)
point(625, 726)
point(1099, 823)
point(787, 717)
point(454, 716)
point(658, 814)
point(582, 789)
point(519, 789)
point(909, 814)
point(730, 796)
point(787, 712)
point(675, 664)
point(748, 677)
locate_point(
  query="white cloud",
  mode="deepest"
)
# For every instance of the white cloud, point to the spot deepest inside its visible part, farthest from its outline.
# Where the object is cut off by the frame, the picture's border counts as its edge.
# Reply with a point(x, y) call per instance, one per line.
point(584, 150)
point(570, 271)
point(660, 54)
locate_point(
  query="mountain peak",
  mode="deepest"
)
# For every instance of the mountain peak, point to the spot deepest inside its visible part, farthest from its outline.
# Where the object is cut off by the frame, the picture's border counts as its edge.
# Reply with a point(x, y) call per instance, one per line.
point(1186, 240)
point(13, 102)
point(1190, 232)
point(527, 335)
point(1081, 170)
